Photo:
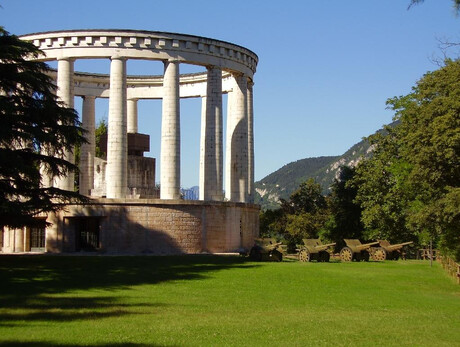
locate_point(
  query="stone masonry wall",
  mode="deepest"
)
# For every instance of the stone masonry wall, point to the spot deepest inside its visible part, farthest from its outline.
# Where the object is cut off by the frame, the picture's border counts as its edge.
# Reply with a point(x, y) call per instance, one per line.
point(159, 227)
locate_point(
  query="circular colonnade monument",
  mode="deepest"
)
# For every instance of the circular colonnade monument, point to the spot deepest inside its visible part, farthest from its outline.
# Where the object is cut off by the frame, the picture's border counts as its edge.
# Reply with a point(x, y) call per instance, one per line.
point(117, 220)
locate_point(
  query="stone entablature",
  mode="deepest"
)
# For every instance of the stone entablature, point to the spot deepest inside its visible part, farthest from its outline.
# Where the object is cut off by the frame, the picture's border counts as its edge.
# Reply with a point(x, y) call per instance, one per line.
point(145, 87)
point(154, 45)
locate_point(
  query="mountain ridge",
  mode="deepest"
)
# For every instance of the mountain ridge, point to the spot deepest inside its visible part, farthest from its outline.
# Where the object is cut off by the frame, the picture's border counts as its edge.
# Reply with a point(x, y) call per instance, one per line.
point(281, 183)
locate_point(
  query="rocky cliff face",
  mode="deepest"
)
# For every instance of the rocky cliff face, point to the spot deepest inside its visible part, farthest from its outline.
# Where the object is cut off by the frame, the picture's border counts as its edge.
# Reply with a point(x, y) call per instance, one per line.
point(286, 180)
point(283, 182)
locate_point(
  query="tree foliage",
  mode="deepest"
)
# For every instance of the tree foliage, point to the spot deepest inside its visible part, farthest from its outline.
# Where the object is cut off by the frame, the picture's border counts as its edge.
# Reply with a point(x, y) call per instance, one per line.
point(411, 184)
point(100, 130)
point(302, 216)
point(456, 4)
point(35, 130)
point(344, 221)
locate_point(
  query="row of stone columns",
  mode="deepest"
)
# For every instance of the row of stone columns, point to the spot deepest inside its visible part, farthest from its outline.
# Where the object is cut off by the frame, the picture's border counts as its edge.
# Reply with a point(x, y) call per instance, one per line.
point(239, 185)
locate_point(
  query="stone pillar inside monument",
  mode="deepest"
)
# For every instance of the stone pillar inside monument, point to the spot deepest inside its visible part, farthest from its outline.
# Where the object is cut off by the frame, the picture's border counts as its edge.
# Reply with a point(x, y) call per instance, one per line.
point(88, 150)
point(132, 116)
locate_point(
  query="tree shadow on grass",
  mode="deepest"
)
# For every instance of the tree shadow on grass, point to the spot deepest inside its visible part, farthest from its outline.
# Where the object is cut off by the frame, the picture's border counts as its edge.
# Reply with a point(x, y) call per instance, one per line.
point(52, 344)
point(42, 287)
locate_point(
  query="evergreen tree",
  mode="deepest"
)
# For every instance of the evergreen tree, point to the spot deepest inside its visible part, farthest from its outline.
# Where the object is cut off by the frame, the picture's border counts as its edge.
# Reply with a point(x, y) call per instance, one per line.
point(35, 130)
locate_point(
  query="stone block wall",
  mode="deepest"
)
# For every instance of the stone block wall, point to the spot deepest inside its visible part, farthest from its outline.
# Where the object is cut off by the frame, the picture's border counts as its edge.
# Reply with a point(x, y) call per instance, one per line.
point(158, 227)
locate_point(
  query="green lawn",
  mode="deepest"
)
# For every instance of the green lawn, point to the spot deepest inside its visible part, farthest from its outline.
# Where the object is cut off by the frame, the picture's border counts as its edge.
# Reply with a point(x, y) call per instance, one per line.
point(229, 301)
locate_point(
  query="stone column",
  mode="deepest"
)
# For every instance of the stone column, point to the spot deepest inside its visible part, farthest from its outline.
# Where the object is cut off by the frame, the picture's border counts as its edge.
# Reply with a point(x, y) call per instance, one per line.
point(202, 183)
point(88, 150)
point(132, 116)
point(228, 161)
point(65, 92)
point(170, 133)
point(211, 152)
point(237, 142)
point(19, 239)
point(117, 138)
point(250, 143)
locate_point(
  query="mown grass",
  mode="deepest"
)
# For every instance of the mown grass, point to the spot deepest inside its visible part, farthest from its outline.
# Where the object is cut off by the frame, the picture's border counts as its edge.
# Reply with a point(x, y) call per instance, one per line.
point(230, 301)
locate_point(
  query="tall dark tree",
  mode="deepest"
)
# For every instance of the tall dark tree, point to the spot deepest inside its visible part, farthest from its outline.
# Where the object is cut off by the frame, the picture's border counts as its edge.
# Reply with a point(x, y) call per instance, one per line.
point(35, 130)
point(345, 214)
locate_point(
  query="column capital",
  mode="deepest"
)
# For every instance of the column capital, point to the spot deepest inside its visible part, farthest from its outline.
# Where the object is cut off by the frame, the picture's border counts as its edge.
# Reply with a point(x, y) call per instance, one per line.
point(66, 59)
point(118, 57)
point(172, 60)
point(210, 67)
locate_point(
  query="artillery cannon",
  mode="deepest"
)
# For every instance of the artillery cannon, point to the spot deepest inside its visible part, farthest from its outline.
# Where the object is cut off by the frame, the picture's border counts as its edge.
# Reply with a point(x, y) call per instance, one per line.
point(355, 250)
point(392, 252)
point(266, 249)
point(313, 249)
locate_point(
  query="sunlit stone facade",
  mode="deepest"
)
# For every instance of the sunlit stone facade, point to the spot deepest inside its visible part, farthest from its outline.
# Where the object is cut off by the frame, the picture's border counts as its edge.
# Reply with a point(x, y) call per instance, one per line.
point(117, 219)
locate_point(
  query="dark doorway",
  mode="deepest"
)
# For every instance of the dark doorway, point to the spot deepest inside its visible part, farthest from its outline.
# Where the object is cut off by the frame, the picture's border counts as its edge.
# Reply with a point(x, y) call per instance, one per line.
point(87, 234)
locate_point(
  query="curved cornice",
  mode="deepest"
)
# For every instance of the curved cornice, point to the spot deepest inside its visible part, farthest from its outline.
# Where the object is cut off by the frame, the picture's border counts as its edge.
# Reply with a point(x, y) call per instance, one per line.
point(147, 45)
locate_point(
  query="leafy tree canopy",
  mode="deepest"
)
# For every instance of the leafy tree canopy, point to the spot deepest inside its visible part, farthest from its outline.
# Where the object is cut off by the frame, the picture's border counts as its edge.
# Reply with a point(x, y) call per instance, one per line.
point(411, 185)
point(35, 130)
point(456, 3)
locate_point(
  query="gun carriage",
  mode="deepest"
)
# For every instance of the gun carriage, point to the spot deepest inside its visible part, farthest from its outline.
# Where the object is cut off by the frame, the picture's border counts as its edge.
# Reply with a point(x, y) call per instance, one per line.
point(313, 249)
point(355, 250)
point(391, 252)
point(266, 249)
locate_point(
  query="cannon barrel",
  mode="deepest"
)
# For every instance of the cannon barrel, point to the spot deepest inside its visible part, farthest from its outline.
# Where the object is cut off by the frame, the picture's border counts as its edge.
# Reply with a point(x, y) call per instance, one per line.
point(399, 245)
point(366, 245)
point(323, 247)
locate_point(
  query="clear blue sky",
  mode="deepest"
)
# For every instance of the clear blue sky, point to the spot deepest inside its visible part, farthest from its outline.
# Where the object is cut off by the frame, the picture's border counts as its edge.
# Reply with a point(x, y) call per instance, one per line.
point(326, 67)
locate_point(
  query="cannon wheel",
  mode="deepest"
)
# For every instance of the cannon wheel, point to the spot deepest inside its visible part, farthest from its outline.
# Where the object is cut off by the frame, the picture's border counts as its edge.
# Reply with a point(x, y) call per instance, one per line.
point(324, 256)
point(304, 255)
point(255, 254)
point(379, 254)
point(346, 254)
